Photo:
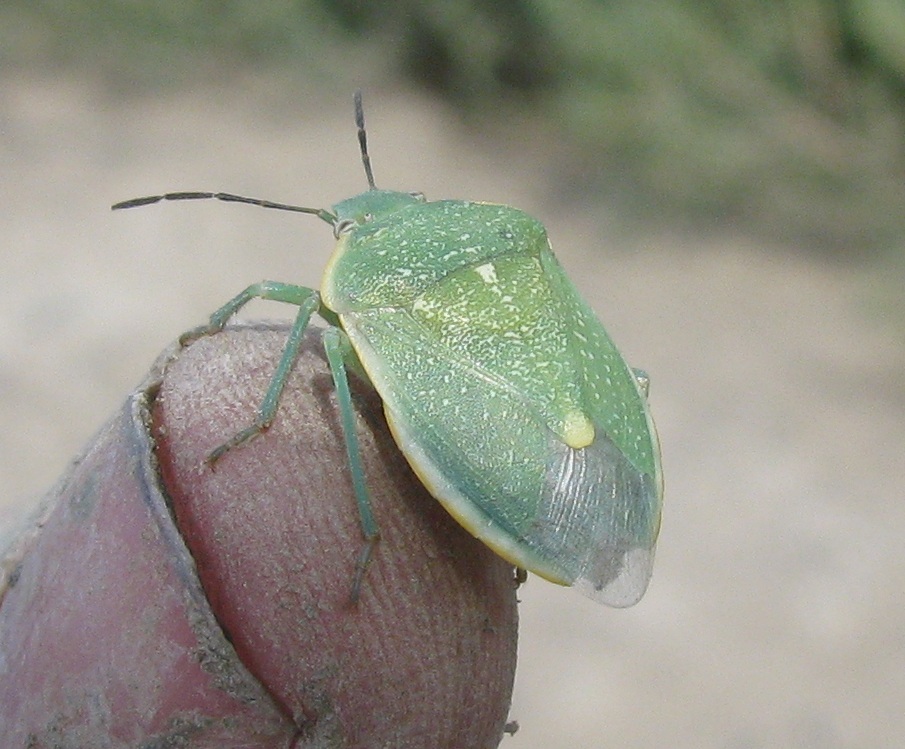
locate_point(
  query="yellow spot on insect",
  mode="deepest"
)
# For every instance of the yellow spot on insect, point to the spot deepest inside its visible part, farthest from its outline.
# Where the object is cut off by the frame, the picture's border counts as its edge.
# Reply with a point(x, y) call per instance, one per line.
point(577, 430)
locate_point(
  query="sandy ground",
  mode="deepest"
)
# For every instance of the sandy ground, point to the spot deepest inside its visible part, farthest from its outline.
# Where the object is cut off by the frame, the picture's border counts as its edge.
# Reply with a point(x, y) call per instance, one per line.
point(775, 616)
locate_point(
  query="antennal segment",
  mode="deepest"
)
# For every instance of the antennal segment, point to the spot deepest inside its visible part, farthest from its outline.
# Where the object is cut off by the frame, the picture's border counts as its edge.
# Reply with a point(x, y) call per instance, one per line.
point(363, 140)
point(227, 197)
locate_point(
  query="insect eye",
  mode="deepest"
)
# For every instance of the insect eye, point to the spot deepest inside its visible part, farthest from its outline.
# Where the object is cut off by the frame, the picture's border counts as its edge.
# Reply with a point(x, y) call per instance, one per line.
point(343, 227)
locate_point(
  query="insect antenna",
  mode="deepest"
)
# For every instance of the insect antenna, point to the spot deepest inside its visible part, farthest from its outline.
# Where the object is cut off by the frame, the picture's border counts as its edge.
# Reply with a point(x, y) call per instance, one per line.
point(227, 198)
point(363, 140)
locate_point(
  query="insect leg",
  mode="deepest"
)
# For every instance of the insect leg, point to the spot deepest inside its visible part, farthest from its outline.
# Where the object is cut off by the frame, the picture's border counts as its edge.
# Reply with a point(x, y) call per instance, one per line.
point(520, 577)
point(308, 302)
point(274, 291)
point(643, 379)
point(336, 344)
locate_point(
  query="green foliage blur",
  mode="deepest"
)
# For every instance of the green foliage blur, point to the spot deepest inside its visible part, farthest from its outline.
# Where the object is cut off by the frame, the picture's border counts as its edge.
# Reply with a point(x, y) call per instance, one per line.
point(783, 118)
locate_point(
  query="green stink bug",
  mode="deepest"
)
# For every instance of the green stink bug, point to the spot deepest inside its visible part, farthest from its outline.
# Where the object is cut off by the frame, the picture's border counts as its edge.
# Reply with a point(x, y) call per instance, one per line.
point(500, 385)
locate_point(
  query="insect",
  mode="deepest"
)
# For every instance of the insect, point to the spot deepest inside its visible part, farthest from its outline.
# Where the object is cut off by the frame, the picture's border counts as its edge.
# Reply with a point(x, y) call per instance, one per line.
point(499, 384)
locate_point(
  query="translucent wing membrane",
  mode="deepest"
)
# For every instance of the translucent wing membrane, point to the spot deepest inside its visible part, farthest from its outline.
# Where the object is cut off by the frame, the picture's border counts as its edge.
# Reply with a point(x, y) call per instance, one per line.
point(599, 516)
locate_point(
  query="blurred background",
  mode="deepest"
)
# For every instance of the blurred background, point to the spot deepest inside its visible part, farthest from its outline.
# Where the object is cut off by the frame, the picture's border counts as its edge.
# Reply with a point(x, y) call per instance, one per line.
point(724, 181)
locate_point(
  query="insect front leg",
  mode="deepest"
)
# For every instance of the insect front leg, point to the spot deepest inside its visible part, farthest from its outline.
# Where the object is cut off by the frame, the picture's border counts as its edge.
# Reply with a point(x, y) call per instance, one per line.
point(274, 291)
point(308, 301)
point(339, 350)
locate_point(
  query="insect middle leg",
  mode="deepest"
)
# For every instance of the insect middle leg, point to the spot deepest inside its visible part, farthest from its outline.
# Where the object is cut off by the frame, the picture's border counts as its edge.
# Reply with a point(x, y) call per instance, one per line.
point(308, 301)
point(339, 352)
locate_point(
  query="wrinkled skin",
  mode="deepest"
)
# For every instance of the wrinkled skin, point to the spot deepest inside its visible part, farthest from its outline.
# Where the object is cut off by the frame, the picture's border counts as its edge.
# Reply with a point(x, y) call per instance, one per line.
point(162, 600)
